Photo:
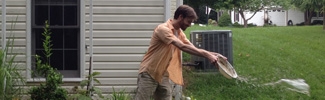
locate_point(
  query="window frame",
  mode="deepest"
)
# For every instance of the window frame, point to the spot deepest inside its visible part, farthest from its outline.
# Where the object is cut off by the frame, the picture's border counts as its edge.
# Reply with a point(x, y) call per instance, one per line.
point(81, 40)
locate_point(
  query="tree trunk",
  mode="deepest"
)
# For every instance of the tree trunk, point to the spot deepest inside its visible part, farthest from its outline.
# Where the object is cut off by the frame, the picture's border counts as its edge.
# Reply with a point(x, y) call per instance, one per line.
point(308, 16)
point(245, 23)
point(324, 19)
point(305, 17)
point(266, 17)
point(241, 12)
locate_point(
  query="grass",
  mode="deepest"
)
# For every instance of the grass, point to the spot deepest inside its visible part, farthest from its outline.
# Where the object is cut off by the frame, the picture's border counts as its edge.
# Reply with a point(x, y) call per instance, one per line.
point(262, 55)
point(11, 80)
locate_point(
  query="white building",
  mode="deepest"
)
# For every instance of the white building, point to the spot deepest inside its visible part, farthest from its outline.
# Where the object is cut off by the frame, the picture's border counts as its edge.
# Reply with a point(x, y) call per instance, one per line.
point(278, 17)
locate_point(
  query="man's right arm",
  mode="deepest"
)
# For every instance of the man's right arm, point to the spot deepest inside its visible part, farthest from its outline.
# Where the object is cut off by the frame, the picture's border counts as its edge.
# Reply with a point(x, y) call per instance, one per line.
point(194, 51)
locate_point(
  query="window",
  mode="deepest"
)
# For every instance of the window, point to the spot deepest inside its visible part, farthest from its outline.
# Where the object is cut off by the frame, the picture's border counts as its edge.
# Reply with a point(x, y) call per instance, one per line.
point(236, 16)
point(63, 17)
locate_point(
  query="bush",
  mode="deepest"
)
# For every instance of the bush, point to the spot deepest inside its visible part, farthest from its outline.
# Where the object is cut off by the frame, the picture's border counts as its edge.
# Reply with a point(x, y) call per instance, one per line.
point(224, 20)
point(301, 24)
point(52, 89)
point(267, 25)
point(237, 25)
point(251, 25)
point(317, 22)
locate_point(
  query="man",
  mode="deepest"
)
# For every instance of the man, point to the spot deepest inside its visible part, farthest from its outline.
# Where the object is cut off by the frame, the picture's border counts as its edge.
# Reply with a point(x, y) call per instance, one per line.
point(162, 62)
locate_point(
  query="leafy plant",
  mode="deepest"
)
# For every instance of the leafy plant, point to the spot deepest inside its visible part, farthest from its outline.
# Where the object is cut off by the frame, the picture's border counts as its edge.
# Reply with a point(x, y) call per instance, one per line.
point(80, 93)
point(120, 95)
point(83, 94)
point(51, 90)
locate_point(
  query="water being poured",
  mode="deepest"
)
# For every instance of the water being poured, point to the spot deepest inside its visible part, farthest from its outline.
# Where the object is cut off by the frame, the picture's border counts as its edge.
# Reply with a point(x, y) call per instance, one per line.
point(297, 85)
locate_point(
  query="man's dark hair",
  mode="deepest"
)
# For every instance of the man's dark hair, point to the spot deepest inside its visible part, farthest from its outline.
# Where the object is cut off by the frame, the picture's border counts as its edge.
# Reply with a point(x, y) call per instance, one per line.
point(185, 11)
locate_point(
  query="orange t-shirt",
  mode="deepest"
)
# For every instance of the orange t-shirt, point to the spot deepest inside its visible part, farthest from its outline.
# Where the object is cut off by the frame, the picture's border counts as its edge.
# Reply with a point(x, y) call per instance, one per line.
point(162, 56)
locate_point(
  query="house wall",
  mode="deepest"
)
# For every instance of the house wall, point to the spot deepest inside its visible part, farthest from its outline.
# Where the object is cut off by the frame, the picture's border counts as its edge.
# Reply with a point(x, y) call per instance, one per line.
point(16, 27)
point(258, 18)
point(121, 36)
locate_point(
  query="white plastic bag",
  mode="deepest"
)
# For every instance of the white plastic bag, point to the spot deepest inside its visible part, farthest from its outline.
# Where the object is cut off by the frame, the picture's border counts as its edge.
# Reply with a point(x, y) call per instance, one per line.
point(297, 85)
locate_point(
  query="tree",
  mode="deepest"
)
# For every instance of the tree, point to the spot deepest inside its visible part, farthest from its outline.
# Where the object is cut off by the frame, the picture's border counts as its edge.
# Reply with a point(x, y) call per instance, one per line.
point(254, 6)
point(309, 6)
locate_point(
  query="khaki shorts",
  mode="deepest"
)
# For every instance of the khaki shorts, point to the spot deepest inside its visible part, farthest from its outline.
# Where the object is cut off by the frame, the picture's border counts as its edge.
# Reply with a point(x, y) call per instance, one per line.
point(149, 89)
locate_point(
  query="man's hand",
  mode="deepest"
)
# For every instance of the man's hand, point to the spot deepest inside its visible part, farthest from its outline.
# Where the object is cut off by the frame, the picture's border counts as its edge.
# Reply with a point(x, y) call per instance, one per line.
point(212, 58)
point(218, 55)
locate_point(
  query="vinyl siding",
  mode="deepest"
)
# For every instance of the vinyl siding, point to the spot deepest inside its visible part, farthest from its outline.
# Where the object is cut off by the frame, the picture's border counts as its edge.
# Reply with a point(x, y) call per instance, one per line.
point(16, 27)
point(121, 35)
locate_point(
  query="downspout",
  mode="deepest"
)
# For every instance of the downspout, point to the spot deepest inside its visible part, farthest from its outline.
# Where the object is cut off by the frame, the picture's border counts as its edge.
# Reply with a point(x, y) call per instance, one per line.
point(286, 18)
point(4, 34)
point(28, 38)
point(178, 88)
point(167, 10)
point(91, 83)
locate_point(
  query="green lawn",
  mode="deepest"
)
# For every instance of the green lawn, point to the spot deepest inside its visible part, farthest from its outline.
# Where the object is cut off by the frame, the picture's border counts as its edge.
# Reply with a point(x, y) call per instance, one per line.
point(262, 55)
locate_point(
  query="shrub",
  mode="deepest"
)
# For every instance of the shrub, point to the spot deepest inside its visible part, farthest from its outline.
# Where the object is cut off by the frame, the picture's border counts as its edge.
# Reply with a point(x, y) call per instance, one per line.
point(251, 25)
point(317, 22)
point(224, 20)
point(236, 24)
point(51, 90)
point(267, 25)
point(301, 24)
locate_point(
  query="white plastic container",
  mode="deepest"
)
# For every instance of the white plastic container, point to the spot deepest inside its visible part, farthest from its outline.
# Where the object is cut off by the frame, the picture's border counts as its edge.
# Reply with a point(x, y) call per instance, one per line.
point(225, 68)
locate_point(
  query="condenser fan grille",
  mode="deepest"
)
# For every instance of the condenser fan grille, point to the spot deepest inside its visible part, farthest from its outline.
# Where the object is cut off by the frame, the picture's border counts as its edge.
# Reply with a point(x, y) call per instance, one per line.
point(215, 40)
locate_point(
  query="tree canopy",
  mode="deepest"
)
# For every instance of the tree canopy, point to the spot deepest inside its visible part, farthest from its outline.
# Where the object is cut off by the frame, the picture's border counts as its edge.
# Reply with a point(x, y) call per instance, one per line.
point(309, 6)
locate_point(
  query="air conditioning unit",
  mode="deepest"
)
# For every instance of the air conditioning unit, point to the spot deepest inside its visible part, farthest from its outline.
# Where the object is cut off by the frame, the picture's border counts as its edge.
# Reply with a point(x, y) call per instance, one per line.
point(219, 41)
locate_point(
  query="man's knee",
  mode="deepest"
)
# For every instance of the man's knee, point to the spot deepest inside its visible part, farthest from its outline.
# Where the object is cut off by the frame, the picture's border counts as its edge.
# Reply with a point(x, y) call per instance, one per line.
point(146, 87)
point(164, 90)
